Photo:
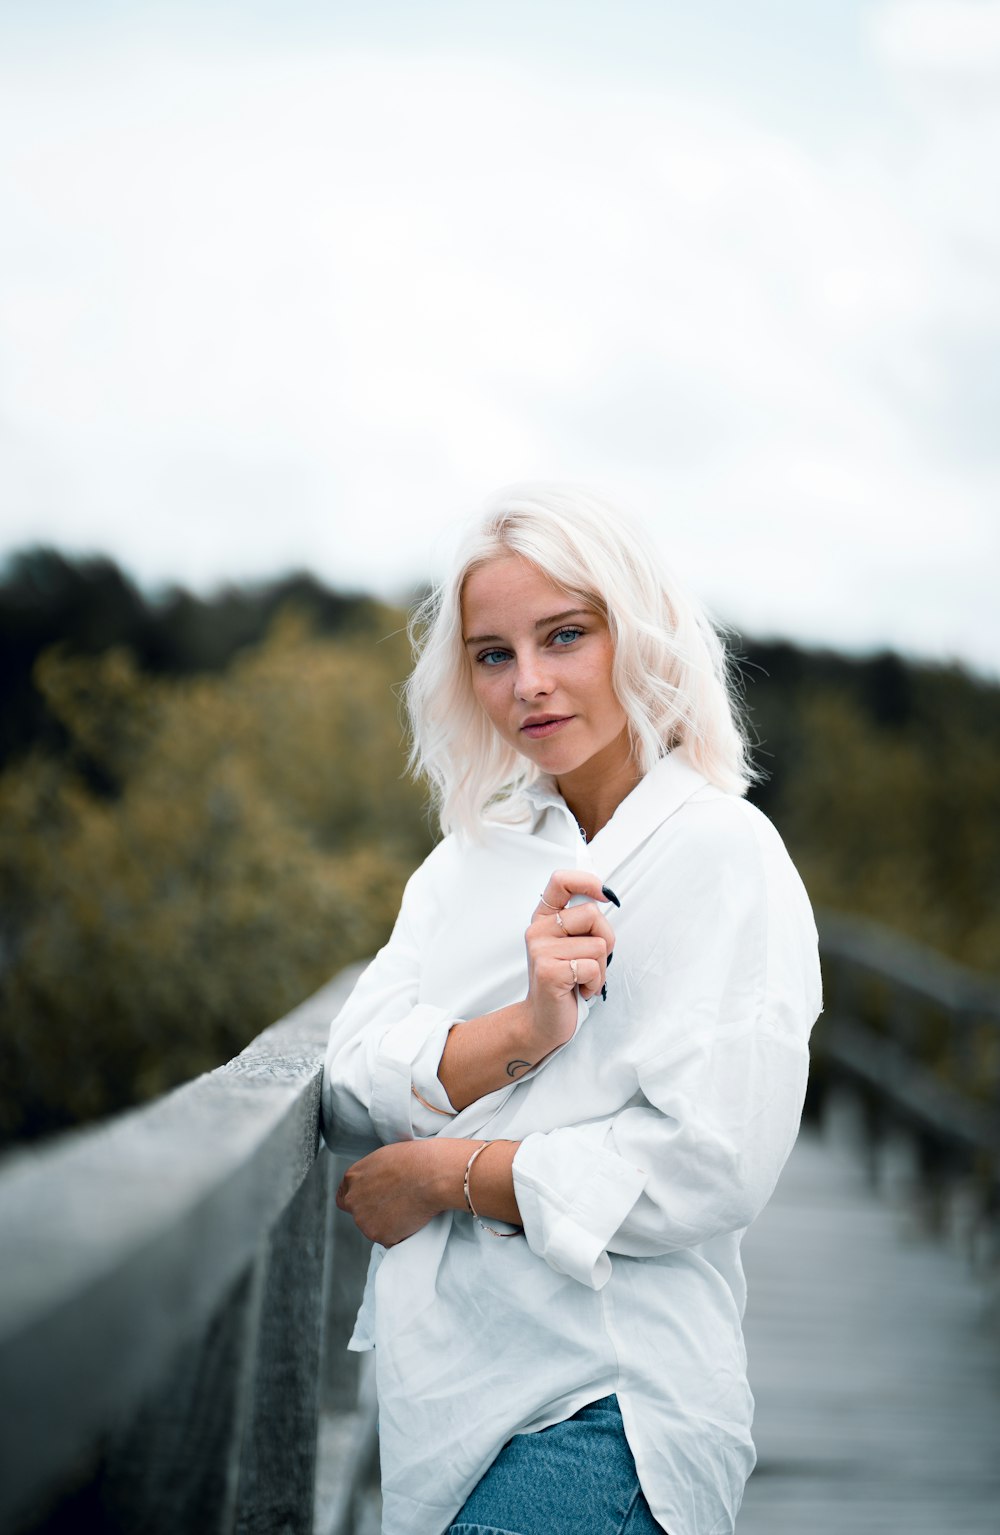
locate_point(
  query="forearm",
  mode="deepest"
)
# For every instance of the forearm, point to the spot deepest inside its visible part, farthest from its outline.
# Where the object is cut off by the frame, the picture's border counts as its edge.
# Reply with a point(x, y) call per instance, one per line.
point(568, 948)
point(491, 1183)
point(488, 1053)
point(395, 1190)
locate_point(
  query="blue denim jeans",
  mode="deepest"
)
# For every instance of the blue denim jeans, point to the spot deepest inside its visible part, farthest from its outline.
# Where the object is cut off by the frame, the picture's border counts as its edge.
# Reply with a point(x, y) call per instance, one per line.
point(575, 1478)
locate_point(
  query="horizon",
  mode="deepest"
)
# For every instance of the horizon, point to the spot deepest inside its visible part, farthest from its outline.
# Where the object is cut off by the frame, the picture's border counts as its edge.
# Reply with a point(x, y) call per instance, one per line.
point(158, 596)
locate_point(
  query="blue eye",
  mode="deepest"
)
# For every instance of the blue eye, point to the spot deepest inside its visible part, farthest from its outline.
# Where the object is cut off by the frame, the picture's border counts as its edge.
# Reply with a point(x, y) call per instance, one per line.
point(492, 657)
point(566, 636)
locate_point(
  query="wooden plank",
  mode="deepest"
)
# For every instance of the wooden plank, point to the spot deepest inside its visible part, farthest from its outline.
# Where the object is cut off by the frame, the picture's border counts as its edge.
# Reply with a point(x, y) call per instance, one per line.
point(176, 1465)
point(909, 1087)
point(875, 1364)
point(912, 967)
point(279, 1461)
point(348, 1254)
point(121, 1242)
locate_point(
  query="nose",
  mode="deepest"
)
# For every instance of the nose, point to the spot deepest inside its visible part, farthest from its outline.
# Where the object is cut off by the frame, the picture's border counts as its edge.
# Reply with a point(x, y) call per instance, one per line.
point(532, 678)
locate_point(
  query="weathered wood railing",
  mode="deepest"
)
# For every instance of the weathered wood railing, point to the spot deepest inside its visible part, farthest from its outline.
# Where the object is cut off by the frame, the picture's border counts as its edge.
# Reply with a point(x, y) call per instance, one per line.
point(907, 1054)
point(176, 1286)
point(173, 1311)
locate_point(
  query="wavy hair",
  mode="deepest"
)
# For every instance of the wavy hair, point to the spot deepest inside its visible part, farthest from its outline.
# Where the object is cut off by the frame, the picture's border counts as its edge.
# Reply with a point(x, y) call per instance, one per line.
point(671, 671)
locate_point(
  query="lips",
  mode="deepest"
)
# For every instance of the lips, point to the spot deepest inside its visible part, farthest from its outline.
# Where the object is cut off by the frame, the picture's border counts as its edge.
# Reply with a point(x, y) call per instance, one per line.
point(541, 725)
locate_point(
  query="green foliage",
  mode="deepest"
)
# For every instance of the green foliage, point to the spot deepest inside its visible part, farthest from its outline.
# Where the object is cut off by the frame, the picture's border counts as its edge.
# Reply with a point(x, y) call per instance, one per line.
point(89, 604)
point(884, 787)
point(208, 852)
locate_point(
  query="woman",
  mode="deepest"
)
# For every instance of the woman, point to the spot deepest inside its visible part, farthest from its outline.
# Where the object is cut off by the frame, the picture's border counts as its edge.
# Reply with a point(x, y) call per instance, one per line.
point(567, 1150)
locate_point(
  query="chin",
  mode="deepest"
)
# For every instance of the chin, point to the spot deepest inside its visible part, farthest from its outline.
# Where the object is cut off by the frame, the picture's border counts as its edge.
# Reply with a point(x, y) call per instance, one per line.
point(560, 763)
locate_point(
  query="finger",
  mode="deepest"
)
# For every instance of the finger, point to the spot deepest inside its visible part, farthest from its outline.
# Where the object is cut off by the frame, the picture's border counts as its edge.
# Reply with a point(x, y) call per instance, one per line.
point(589, 976)
point(561, 974)
point(564, 883)
point(563, 947)
point(588, 954)
point(574, 920)
point(573, 946)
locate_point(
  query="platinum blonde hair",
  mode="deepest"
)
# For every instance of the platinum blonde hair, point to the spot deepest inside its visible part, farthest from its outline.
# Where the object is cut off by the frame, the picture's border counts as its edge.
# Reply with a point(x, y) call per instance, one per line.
point(671, 672)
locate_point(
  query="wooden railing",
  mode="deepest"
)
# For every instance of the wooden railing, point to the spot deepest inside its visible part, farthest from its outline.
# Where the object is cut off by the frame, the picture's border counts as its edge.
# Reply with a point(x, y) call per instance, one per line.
point(908, 1052)
point(176, 1286)
point(176, 1289)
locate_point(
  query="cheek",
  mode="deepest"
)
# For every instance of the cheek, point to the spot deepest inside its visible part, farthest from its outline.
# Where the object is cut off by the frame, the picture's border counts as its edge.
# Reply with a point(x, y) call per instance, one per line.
point(613, 711)
point(602, 685)
point(487, 694)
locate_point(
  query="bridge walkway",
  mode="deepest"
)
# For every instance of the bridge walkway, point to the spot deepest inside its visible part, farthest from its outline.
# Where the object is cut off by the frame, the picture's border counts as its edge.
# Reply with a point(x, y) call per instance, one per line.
point(874, 1357)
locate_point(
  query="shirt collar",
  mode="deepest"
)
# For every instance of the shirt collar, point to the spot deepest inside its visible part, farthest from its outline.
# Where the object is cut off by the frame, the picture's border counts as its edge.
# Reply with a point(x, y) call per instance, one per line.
point(653, 800)
point(543, 792)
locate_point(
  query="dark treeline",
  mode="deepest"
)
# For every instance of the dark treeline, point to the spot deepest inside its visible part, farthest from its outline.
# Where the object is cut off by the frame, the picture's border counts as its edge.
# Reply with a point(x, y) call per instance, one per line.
point(204, 814)
point(90, 604)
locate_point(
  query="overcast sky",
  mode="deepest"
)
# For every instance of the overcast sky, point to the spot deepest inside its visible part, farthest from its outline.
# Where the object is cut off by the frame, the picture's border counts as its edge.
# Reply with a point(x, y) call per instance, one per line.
point(298, 284)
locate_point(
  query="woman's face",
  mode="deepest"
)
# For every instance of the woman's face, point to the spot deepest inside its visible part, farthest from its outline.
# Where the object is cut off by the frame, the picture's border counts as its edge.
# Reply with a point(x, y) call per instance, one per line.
point(541, 668)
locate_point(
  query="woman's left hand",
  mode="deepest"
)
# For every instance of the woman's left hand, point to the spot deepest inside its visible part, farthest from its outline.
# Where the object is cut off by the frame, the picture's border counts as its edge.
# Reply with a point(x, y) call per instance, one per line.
point(394, 1191)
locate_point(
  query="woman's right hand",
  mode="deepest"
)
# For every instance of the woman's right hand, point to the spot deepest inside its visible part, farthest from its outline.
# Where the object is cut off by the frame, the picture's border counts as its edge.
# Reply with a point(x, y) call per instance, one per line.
point(487, 1053)
point(567, 946)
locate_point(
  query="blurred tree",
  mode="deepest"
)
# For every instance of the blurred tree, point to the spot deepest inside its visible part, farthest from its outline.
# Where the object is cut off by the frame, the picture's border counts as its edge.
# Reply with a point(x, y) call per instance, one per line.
point(251, 835)
point(89, 604)
point(45, 597)
point(884, 786)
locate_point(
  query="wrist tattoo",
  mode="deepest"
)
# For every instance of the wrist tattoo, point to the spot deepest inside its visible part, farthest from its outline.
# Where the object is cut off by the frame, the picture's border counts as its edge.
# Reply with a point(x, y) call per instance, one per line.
point(514, 1068)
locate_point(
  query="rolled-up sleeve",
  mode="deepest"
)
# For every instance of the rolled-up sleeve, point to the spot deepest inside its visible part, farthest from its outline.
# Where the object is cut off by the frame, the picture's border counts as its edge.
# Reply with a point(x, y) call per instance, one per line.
point(721, 1069)
point(404, 1062)
point(383, 1044)
point(573, 1197)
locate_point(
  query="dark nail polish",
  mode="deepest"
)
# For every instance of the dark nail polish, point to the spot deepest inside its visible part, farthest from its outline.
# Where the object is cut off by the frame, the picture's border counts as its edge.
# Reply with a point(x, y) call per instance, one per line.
point(609, 959)
point(609, 894)
point(604, 993)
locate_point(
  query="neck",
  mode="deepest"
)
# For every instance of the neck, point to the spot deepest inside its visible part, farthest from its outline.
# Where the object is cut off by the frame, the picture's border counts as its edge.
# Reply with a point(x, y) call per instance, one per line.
point(594, 790)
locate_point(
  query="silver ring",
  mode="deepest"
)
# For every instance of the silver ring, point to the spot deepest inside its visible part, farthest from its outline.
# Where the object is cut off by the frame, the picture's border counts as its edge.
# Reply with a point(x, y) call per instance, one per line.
point(576, 978)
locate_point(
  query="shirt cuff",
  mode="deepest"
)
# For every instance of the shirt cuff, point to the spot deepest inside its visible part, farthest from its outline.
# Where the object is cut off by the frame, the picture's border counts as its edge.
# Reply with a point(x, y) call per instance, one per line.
point(409, 1054)
point(572, 1197)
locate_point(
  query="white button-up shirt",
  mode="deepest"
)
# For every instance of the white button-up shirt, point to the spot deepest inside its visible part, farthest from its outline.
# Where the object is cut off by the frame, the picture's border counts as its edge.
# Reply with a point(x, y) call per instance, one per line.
point(648, 1143)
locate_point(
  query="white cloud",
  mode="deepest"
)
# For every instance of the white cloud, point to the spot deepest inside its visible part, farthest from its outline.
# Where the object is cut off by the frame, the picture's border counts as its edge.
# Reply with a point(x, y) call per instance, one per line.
point(940, 36)
point(257, 313)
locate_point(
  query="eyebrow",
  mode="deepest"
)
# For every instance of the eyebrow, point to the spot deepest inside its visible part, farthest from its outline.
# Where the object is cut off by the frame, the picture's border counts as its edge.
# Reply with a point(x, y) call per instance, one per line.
point(543, 623)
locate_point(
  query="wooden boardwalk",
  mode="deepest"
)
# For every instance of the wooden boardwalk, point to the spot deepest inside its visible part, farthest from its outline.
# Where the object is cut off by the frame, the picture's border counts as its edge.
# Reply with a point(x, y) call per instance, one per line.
point(875, 1363)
